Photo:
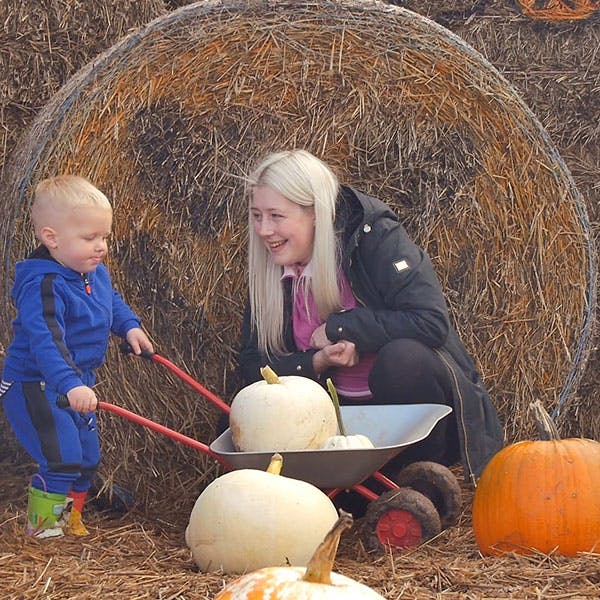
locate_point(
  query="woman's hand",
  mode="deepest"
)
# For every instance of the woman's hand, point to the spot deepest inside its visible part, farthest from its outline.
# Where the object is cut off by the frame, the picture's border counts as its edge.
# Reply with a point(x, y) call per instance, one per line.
point(340, 354)
point(82, 399)
point(319, 338)
point(138, 341)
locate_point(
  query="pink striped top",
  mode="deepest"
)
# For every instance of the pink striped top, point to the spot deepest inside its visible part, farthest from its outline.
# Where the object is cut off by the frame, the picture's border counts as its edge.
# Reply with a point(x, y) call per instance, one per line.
point(351, 382)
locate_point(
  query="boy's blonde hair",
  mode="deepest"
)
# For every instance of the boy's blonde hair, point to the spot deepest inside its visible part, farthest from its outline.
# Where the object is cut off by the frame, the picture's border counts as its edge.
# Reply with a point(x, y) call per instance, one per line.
point(304, 179)
point(55, 196)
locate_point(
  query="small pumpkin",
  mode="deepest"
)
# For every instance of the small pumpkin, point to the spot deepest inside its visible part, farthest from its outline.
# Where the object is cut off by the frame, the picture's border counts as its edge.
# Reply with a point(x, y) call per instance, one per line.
point(540, 495)
point(314, 582)
point(348, 442)
point(343, 441)
point(248, 519)
point(280, 414)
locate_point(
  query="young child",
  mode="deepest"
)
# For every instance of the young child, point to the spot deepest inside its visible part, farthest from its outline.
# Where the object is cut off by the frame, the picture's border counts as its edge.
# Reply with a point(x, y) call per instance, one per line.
point(66, 308)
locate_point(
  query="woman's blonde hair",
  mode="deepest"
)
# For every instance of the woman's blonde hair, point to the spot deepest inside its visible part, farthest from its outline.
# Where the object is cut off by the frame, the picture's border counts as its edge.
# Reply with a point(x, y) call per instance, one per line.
point(56, 195)
point(304, 179)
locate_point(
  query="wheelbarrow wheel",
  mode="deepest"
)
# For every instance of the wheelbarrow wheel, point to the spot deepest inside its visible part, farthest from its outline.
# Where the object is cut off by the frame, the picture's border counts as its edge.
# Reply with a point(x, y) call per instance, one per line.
point(399, 519)
point(438, 483)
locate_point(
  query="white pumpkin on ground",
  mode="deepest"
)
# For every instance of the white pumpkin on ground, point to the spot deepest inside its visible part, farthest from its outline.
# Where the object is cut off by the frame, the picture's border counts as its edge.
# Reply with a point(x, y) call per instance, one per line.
point(280, 414)
point(316, 581)
point(249, 519)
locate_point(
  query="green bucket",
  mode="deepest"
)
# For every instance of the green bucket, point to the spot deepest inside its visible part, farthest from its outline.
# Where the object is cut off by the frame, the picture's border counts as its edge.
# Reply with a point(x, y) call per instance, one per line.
point(44, 509)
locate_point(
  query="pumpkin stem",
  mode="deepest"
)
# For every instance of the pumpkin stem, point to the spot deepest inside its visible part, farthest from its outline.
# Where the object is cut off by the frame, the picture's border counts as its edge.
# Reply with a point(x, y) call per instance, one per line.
point(336, 403)
point(320, 565)
point(269, 375)
point(276, 464)
point(543, 422)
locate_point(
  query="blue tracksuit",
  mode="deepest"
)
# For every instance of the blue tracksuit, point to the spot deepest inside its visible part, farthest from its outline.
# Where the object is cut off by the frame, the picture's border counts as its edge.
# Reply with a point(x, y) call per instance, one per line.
point(61, 335)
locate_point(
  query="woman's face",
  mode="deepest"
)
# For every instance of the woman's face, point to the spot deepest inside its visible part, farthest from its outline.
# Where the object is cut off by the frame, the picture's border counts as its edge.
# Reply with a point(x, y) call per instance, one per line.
point(286, 228)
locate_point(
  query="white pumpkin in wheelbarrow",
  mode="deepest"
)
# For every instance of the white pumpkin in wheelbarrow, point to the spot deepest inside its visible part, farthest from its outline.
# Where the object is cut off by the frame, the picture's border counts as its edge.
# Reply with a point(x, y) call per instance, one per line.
point(280, 414)
point(250, 519)
point(343, 441)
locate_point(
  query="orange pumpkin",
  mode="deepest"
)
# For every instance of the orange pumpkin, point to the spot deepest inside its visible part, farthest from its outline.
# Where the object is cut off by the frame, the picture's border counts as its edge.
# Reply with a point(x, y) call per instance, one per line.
point(540, 496)
point(559, 10)
point(315, 582)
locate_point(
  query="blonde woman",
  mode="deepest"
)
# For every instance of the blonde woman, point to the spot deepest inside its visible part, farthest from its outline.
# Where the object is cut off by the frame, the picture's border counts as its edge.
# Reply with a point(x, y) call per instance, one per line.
point(337, 289)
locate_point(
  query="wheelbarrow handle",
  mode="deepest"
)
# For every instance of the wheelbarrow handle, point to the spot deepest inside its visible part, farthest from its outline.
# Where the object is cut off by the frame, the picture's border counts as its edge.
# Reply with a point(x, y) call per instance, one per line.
point(154, 356)
point(63, 402)
point(126, 348)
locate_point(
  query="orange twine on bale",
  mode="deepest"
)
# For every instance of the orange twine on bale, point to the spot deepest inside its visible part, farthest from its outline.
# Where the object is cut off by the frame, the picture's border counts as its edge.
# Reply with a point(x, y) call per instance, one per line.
point(560, 10)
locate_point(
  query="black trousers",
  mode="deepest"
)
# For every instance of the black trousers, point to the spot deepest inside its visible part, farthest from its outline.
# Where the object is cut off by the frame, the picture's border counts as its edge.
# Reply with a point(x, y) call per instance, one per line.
point(408, 372)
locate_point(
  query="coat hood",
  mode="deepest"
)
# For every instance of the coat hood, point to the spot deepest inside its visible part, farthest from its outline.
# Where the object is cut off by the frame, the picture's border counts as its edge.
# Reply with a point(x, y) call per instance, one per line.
point(355, 211)
point(37, 265)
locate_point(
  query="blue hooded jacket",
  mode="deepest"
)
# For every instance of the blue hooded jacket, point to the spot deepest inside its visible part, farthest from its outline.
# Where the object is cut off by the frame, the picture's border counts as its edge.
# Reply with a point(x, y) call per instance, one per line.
point(63, 323)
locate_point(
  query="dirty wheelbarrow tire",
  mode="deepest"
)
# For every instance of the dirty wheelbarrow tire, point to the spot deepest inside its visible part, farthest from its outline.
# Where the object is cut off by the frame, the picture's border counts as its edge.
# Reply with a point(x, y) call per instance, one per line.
point(436, 482)
point(399, 519)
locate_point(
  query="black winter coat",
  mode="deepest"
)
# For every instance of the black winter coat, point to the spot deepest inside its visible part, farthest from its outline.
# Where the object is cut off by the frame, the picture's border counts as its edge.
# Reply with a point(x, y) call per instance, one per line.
point(399, 296)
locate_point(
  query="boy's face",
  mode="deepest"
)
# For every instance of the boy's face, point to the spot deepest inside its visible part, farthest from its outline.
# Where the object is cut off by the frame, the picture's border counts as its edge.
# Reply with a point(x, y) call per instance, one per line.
point(79, 241)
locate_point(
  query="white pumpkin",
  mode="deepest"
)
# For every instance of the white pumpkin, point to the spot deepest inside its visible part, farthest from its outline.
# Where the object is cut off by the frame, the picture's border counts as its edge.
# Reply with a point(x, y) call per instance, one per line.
point(281, 414)
point(343, 441)
point(249, 519)
point(346, 442)
point(287, 583)
point(316, 581)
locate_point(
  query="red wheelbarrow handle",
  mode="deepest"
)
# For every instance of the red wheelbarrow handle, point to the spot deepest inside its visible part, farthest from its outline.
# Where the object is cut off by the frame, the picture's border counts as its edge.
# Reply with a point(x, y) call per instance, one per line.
point(62, 402)
point(126, 349)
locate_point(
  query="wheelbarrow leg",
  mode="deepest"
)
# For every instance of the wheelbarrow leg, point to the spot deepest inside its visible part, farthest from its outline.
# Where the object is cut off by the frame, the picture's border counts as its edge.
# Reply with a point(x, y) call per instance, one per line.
point(113, 497)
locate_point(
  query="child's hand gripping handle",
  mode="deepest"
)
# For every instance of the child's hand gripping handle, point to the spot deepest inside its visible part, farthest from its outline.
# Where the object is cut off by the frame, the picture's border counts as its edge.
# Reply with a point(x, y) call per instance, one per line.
point(126, 348)
point(62, 402)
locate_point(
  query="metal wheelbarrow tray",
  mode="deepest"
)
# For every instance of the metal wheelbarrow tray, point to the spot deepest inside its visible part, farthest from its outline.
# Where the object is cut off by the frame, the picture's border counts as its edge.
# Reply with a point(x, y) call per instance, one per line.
point(391, 428)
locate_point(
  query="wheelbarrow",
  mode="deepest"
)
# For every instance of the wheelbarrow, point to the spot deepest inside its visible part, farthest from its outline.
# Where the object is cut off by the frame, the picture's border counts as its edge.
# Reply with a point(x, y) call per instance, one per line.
point(423, 498)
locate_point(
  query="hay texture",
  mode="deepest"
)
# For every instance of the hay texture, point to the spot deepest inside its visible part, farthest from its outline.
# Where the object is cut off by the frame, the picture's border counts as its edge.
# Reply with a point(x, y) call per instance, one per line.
point(132, 557)
point(43, 43)
point(555, 68)
point(170, 119)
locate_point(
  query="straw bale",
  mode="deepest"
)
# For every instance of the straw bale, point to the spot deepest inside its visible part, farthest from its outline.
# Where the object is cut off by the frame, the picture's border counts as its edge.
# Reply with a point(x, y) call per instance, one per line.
point(555, 68)
point(560, 10)
point(43, 43)
point(170, 119)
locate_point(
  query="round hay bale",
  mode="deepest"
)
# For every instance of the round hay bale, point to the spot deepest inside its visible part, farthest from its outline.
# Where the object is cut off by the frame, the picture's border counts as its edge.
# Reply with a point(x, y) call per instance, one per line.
point(169, 120)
